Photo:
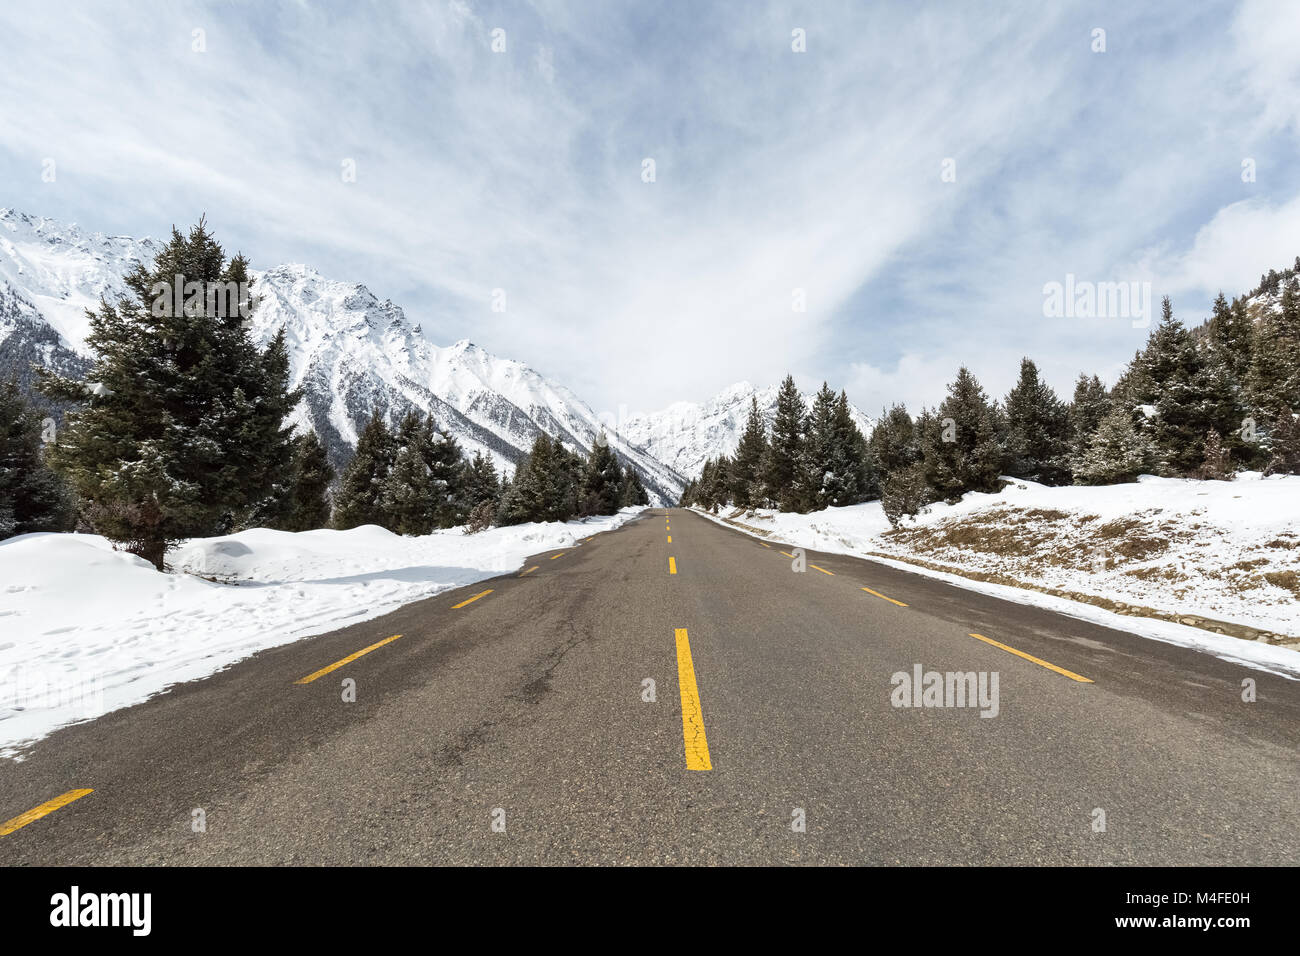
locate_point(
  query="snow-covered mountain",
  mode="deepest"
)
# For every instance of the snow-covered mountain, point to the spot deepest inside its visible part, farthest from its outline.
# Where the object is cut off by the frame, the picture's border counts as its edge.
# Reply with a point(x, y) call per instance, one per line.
point(350, 351)
point(684, 435)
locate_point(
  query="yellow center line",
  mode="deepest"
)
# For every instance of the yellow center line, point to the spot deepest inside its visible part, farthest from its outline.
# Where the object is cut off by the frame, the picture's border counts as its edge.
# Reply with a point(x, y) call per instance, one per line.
point(670, 539)
point(529, 571)
point(697, 744)
point(347, 660)
point(560, 555)
point(889, 599)
point(46, 808)
point(457, 607)
point(787, 554)
point(1030, 657)
point(768, 546)
point(822, 570)
point(672, 565)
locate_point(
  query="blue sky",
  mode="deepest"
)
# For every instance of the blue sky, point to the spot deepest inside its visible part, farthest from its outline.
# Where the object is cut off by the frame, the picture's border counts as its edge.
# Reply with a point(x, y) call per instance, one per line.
point(775, 170)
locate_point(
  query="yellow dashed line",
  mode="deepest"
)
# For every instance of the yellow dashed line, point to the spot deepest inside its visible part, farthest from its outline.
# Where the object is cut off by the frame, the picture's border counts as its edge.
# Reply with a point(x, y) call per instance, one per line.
point(1029, 657)
point(672, 565)
point(347, 660)
point(768, 546)
point(889, 599)
point(560, 555)
point(822, 570)
point(697, 744)
point(670, 539)
point(49, 806)
point(456, 607)
point(529, 571)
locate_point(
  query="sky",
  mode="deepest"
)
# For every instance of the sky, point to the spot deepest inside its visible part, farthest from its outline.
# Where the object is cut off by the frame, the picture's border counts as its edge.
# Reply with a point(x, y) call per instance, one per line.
point(867, 194)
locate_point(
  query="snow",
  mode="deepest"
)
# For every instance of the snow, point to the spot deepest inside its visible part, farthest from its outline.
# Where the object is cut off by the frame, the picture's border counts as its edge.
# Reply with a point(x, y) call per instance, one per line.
point(1204, 548)
point(85, 630)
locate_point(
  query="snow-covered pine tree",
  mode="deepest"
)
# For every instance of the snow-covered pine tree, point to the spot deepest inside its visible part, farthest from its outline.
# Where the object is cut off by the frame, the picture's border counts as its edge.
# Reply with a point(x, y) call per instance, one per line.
point(602, 480)
point(1216, 465)
point(1274, 377)
point(1284, 444)
point(32, 497)
point(447, 471)
point(787, 468)
point(1117, 452)
point(747, 464)
point(358, 500)
point(1038, 428)
point(1173, 378)
point(182, 429)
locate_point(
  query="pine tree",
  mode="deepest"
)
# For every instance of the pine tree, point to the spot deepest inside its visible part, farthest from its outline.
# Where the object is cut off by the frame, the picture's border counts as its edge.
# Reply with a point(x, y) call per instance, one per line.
point(1284, 444)
point(1274, 377)
point(312, 476)
point(358, 500)
point(958, 445)
point(1038, 428)
point(32, 497)
point(894, 443)
point(862, 478)
point(633, 493)
point(787, 466)
point(1170, 366)
point(1091, 403)
point(602, 480)
point(1215, 466)
point(835, 452)
point(1117, 452)
point(183, 429)
point(747, 467)
point(409, 495)
point(479, 483)
point(544, 488)
point(447, 471)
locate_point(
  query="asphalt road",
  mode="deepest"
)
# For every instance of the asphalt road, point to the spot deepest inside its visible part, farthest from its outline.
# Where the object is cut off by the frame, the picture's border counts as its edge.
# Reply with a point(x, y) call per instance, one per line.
point(514, 729)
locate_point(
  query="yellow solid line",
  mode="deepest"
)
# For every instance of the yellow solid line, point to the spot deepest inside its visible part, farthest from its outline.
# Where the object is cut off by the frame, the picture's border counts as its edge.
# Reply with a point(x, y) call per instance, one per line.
point(1030, 657)
point(456, 607)
point(822, 570)
point(347, 660)
point(697, 744)
point(672, 565)
point(529, 571)
point(889, 599)
point(46, 808)
point(560, 555)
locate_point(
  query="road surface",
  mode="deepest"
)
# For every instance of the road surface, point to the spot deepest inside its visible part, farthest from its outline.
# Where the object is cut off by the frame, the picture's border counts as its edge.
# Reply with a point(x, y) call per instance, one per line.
point(516, 728)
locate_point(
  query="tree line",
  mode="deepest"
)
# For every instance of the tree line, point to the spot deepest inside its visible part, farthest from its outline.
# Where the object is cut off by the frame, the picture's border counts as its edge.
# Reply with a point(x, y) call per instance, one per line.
point(180, 430)
point(1201, 402)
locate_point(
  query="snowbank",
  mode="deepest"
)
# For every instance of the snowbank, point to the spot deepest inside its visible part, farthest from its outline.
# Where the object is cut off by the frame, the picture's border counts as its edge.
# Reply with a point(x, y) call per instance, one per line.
point(1227, 551)
point(85, 629)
